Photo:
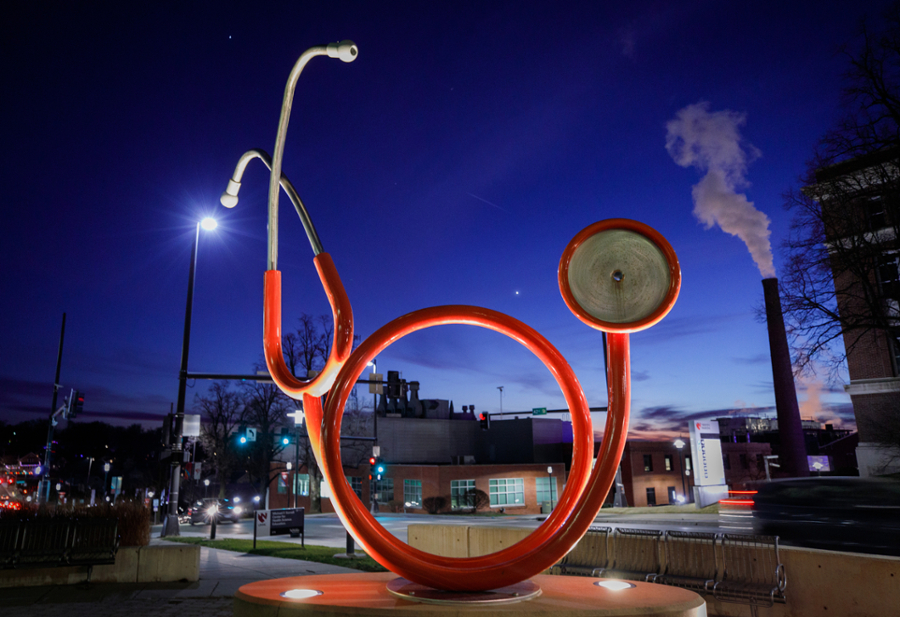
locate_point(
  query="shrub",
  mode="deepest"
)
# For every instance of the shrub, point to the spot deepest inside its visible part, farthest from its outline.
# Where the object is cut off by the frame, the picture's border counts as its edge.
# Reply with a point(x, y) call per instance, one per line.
point(133, 518)
point(478, 498)
point(436, 504)
point(395, 505)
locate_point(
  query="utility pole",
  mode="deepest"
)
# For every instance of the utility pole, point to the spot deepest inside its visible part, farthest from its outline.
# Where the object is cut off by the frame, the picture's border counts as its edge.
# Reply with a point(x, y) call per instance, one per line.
point(44, 492)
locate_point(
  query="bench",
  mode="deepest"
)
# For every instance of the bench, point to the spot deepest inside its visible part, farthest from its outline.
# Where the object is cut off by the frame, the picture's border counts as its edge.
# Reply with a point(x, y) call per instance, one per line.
point(691, 560)
point(740, 568)
point(638, 555)
point(752, 572)
point(590, 554)
point(58, 542)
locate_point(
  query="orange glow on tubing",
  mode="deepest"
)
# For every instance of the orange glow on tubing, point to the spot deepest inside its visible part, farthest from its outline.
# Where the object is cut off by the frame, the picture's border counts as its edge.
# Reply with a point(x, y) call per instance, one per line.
point(737, 502)
point(341, 346)
point(577, 507)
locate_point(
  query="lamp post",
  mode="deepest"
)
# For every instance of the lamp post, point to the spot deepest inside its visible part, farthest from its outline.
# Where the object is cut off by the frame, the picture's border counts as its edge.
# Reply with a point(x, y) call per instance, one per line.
point(170, 527)
point(206, 489)
point(105, 475)
point(549, 477)
point(680, 445)
point(501, 399)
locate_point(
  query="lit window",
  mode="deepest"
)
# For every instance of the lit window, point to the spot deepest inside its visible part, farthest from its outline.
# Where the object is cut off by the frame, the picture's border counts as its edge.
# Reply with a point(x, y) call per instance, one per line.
point(460, 497)
point(507, 491)
point(412, 492)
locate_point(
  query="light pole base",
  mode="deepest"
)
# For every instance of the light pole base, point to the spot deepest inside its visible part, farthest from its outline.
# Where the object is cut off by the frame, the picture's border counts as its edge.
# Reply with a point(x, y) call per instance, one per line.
point(170, 526)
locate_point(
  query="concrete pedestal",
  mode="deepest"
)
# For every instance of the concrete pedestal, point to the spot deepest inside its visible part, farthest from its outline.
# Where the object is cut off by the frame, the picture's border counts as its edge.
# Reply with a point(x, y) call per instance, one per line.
point(367, 594)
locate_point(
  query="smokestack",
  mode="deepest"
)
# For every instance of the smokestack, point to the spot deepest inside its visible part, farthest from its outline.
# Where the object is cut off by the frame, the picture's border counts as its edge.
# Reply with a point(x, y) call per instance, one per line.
point(790, 431)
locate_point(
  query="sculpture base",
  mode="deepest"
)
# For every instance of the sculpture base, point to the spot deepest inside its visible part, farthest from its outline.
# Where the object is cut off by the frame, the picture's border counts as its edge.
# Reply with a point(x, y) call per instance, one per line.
point(368, 594)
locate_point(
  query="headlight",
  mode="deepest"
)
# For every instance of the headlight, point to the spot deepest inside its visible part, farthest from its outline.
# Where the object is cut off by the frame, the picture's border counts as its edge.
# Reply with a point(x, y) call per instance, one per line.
point(212, 509)
point(238, 511)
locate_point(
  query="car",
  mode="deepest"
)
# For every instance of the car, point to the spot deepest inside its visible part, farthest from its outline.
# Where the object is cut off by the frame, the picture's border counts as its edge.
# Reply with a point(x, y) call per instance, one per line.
point(201, 513)
point(838, 513)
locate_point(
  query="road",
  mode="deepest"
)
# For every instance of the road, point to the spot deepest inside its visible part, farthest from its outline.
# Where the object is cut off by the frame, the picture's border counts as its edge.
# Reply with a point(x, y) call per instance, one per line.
point(327, 530)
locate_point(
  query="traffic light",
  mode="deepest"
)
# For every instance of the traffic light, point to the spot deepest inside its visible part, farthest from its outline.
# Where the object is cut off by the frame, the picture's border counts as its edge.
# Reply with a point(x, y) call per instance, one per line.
point(380, 468)
point(76, 404)
point(485, 420)
point(285, 437)
point(242, 435)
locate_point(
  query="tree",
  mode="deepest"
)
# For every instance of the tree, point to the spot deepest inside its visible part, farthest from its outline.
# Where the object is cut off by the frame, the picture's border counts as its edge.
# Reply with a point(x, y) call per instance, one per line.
point(836, 279)
point(265, 408)
point(222, 410)
point(305, 351)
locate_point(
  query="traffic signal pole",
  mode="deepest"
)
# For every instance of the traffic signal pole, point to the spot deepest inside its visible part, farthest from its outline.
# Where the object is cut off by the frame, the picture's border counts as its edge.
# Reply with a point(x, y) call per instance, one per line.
point(44, 492)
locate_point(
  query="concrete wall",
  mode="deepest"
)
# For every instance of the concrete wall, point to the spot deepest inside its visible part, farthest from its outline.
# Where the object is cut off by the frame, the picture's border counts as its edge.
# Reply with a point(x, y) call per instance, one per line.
point(818, 582)
point(134, 564)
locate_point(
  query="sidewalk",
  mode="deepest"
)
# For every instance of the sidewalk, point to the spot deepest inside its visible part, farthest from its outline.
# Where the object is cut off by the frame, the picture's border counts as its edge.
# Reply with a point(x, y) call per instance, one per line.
point(221, 574)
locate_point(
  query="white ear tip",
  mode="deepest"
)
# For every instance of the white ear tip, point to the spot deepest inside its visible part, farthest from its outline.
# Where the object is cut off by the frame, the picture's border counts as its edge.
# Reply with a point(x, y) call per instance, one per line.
point(345, 50)
point(228, 200)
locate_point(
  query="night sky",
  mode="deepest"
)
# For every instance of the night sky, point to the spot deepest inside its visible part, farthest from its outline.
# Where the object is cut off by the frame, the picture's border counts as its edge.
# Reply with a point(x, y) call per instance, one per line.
point(451, 163)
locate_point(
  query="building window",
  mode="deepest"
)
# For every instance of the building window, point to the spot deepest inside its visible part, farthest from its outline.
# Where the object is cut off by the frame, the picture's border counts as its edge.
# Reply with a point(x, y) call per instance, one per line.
point(687, 465)
point(459, 494)
point(651, 496)
point(760, 464)
point(546, 490)
point(648, 462)
point(745, 464)
point(876, 216)
point(356, 485)
point(282, 483)
point(507, 491)
point(301, 484)
point(384, 490)
point(412, 493)
point(673, 497)
point(726, 461)
point(669, 465)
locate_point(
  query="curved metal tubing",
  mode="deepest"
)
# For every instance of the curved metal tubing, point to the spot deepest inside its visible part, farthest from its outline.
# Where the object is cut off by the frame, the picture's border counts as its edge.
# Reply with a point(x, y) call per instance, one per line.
point(346, 51)
point(342, 343)
point(566, 524)
point(229, 198)
point(648, 232)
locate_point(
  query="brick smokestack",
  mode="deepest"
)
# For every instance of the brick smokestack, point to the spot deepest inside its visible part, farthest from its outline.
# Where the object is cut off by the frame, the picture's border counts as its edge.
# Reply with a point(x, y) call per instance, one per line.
point(790, 431)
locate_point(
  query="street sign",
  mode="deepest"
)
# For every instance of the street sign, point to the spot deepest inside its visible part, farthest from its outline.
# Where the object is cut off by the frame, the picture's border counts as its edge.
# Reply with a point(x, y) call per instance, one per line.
point(251, 434)
point(539, 411)
point(376, 388)
point(191, 427)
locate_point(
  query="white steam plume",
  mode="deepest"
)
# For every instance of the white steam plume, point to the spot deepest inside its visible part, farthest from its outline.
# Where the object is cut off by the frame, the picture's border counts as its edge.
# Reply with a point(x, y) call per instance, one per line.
point(711, 142)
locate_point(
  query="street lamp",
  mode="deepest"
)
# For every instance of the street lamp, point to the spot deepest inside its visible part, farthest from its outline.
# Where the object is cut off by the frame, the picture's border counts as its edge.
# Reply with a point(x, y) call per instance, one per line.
point(501, 399)
point(206, 490)
point(170, 527)
point(680, 445)
point(105, 475)
point(549, 476)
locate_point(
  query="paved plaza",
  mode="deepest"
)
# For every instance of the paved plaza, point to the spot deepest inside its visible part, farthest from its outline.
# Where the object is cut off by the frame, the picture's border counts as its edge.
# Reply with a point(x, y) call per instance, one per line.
point(221, 574)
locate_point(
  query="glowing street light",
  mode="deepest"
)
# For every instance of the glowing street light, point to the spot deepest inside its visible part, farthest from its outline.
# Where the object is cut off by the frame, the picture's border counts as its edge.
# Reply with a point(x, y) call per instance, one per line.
point(209, 223)
point(679, 443)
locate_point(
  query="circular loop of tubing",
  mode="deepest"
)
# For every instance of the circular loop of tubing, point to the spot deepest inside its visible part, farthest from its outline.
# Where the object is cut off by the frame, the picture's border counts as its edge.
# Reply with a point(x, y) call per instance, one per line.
point(648, 241)
point(342, 343)
point(513, 564)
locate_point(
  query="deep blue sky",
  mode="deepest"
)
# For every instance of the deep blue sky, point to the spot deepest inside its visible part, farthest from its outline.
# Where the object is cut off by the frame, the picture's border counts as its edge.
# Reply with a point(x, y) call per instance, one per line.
point(450, 164)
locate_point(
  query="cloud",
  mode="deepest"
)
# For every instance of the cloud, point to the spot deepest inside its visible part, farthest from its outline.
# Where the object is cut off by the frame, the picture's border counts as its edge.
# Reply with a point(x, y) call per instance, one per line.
point(711, 142)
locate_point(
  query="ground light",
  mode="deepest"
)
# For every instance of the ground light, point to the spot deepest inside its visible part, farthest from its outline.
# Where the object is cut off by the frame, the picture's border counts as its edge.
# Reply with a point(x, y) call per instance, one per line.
point(301, 594)
point(615, 585)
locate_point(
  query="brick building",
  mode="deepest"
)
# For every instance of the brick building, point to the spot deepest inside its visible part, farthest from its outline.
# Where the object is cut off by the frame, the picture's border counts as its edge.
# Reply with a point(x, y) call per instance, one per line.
point(861, 213)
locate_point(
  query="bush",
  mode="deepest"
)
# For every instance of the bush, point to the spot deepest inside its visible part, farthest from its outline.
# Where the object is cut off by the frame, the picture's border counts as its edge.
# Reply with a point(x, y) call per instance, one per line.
point(478, 498)
point(433, 505)
point(395, 505)
point(133, 518)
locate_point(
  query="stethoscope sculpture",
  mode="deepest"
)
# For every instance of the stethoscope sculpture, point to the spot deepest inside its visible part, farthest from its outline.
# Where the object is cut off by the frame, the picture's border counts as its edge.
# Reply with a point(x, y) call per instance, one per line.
point(618, 276)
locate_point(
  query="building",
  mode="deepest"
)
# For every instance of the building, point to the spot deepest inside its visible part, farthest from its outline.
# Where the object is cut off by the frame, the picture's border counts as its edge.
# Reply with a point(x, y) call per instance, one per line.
point(860, 209)
point(656, 473)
